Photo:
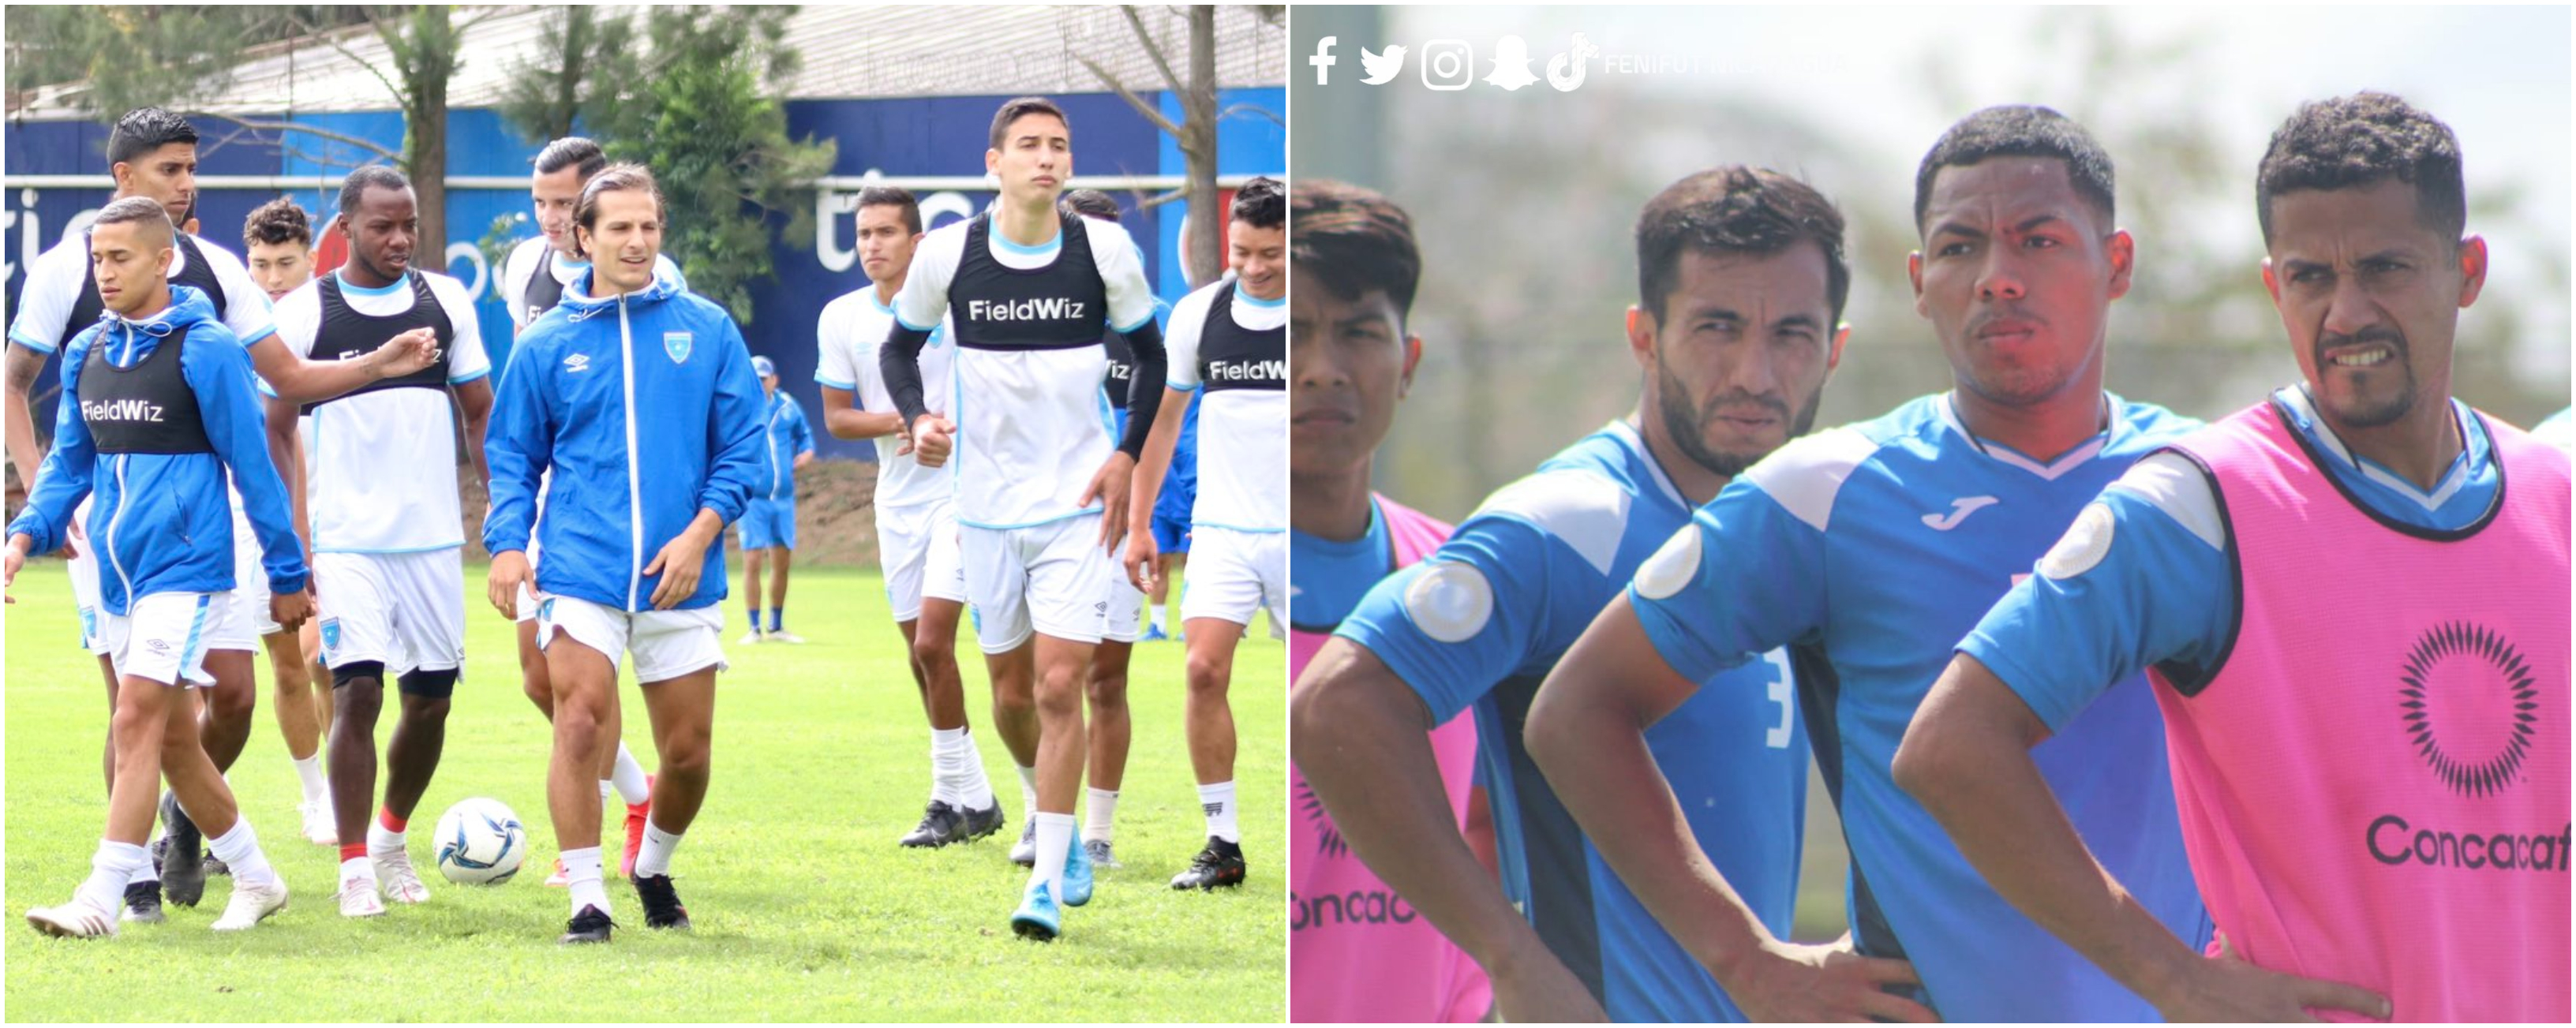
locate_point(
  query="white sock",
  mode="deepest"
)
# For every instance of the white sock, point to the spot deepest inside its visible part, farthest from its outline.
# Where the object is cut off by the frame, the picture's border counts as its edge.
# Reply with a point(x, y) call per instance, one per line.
point(316, 790)
point(581, 872)
point(380, 839)
point(1158, 616)
point(974, 791)
point(111, 869)
point(947, 764)
point(1029, 793)
point(1055, 843)
point(655, 857)
point(239, 850)
point(358, 867)
point(1218, 801)
point(1100, 805)
point(629, 777)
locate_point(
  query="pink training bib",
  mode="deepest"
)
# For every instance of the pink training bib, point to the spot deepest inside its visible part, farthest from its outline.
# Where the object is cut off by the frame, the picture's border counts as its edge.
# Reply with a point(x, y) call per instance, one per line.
point(2374, 785)
point(1357, 952)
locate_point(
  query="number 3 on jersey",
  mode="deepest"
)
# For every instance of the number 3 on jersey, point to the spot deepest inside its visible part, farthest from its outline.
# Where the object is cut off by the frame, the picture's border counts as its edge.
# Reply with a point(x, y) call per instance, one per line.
point(1784, 693)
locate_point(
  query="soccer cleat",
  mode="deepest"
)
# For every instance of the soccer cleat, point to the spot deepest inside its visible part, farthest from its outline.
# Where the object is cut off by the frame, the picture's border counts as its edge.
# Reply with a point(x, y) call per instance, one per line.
point(183, 867)
point(143, 904)
point(394, 874)
point(637, 816)
point(251, 904)
point(358, 898)
point(320, 828)
point(940, 824)
point(750, 638)
point(1077, 874)
point(215, 866)
point(1025, 853)
point(662, 907)
point(591, 925)
point(1155, 634)
point(1037, 917)
point(1219, 865)
point(785, 636)
point(1098, 853)
point(73, 920)
point(561, 879)
point(976, 824)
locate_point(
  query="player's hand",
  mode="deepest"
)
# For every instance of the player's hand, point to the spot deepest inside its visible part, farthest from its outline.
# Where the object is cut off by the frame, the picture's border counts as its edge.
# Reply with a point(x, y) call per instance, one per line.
point(290, 609)
point(1110, 488)
point(1536, 988)
point(509, 573)
point(406, 353)
point(1791, 982)
point(928, 440)
point(679, 564)
point(11, 559)
point(1140, 559)
point(2227, 988)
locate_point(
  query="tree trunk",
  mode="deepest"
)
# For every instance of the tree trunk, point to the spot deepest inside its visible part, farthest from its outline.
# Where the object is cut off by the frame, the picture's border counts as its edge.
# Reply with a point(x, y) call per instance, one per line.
point(1206, 245)
point(425, 61)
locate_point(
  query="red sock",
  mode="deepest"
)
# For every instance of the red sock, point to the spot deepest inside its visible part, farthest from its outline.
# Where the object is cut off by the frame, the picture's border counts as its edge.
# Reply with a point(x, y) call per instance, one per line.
point(385, 816)
point(353, 851)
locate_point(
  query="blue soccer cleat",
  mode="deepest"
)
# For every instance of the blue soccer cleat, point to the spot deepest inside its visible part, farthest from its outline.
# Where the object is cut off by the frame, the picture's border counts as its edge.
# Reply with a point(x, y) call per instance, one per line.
point(1155, 633)
point(1037, 917)
point(1077, 875)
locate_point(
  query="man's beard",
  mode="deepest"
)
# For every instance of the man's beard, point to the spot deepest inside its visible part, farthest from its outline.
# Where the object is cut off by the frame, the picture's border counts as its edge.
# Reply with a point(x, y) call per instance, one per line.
point(1685, 423)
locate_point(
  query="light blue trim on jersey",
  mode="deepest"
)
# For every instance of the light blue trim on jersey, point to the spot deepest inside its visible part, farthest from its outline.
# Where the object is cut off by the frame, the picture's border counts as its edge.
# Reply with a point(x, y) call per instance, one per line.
point(255, 338)
point(23, 339)
point(1177, 387)
point(2457, 499)
point(262, 385)
point(347, 286)
point(1084, 512)
point(188, 651)
point(1250, 300)
point(898, 319)
point(844, 386)
point(461, 381)
point(1053, 244)
point(1195, 525)
point(1140, 322)
point(395, 552)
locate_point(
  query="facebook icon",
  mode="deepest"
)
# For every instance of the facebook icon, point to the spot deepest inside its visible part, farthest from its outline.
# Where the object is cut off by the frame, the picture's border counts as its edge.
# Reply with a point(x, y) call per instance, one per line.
point(1323, 60)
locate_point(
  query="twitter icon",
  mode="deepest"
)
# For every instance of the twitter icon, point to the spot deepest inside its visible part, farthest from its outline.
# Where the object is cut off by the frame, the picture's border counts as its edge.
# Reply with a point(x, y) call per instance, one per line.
point(1381, 68)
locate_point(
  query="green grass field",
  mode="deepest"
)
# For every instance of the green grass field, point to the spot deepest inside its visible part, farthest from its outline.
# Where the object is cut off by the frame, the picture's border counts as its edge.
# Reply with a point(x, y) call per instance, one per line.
point(805, 908)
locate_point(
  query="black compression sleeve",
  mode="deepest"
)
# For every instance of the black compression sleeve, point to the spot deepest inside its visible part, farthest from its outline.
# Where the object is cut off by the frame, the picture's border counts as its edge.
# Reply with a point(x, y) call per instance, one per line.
point(899, 360)
point(1144, 386)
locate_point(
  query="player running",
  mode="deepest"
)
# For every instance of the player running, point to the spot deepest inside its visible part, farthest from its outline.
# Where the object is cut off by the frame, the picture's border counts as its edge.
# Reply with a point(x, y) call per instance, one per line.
point(1879, 544)
point(1741, 288)
point(1353, 360)
point(628, 369)
point(388, 552)
point(533, 280)
point(152, 153)
point(1231, 337)
point(916, 518)
point(2352, 597)
point(768, 526)
point(158, 412)
point(1041, 488)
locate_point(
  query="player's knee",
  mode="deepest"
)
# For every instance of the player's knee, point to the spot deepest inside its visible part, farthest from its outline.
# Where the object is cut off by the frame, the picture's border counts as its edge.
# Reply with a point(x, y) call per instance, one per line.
point(1207, 675)
point(930, 650)
point(1106, 689)
point(131, 725)
point(232, 703)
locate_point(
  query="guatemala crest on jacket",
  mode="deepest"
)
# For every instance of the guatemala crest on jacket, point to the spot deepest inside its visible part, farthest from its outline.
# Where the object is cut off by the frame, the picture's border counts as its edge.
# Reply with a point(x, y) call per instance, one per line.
point(677, 345)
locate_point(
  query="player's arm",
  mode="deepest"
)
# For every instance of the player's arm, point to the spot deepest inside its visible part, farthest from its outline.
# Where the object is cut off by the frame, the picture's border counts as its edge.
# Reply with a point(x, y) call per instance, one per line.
point(25, 364)
point(1148, 486)
point(803, 434)
point(918, 306)
point(44, 308)
point(469, 372)
point(236, 423)
point(2140, 578)
point(309, 381)
point(846, 382)
point(474, 400)
point(286, 451)
point(735, 425)
point(63, 478)
point(518, 446)
point(845, 420)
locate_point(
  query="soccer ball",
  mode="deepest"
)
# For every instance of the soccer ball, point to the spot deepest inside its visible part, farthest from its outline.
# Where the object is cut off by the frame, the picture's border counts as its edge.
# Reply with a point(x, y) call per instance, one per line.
point(480, 842)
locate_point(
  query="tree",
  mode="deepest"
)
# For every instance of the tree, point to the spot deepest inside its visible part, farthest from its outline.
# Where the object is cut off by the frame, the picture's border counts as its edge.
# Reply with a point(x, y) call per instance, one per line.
point(1195, 133)
point(544, 97)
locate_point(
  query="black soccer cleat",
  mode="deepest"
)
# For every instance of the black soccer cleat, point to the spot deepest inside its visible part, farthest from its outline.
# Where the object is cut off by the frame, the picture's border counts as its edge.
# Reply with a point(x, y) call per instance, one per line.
point(591, 925)
point(1220, 865)
point(976, 824)
point(662, 907)
point(143, 904)
point(939, 826)
point(183, 868)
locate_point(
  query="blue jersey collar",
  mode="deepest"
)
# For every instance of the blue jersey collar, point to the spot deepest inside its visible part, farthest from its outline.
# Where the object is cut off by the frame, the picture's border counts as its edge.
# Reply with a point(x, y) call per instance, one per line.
point(2113, 428)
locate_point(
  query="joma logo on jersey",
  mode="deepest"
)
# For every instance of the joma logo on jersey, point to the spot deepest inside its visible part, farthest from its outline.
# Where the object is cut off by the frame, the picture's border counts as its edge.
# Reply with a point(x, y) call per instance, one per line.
point(121, 410)
point(1049, 309)
point(1273, 370)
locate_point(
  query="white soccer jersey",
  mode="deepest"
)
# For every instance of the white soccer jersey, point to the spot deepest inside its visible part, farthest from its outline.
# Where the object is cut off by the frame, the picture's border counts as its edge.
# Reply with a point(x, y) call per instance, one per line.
point(1243, 421)
point(385, 459)
point(1033, 426)
point(851, 331)
point(56, 278)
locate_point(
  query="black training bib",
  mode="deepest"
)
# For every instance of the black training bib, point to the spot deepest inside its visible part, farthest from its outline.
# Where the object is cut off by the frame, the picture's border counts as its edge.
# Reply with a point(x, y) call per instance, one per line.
point(1234, 357)
point(543, 291)
point(147, 408)
point(348, 334)
point(1122, 368)
point(1061, 306)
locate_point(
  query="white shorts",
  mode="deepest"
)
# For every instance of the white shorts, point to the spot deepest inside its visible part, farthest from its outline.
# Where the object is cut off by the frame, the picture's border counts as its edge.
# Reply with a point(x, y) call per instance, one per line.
point(164, 638)
point(666, 643)
point(1125, 618)
point(250, 591)
point(1049, 578)
point(917, 547)
point(1233, 574)
point(84, 571)
point(403, 610)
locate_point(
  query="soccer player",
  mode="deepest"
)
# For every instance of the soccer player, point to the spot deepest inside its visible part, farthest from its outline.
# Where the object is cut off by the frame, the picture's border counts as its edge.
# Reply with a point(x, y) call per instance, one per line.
point(1230, 336)
point(533, 279)
point(158, 412)
point(1741, 285)
point(916, 518)
point(1041, 487)
point(1879, 544)
point(2352, 598)
point(769, 525)
point(152, 153)
point(278, 236)
point(1353, 361)
point(629, 368)
point(388, 552)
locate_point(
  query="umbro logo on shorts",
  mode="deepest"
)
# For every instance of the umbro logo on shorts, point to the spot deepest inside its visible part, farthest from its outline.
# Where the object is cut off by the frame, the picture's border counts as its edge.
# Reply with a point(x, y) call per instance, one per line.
point(1102, 606)
point(157, 645)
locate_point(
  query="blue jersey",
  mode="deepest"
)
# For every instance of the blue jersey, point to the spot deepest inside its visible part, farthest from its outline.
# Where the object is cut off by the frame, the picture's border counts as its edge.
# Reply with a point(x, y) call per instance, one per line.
point(1333, 576)
point(1480, 625)
point(2149, 581)
point(1883, 542)
point(785, 436)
